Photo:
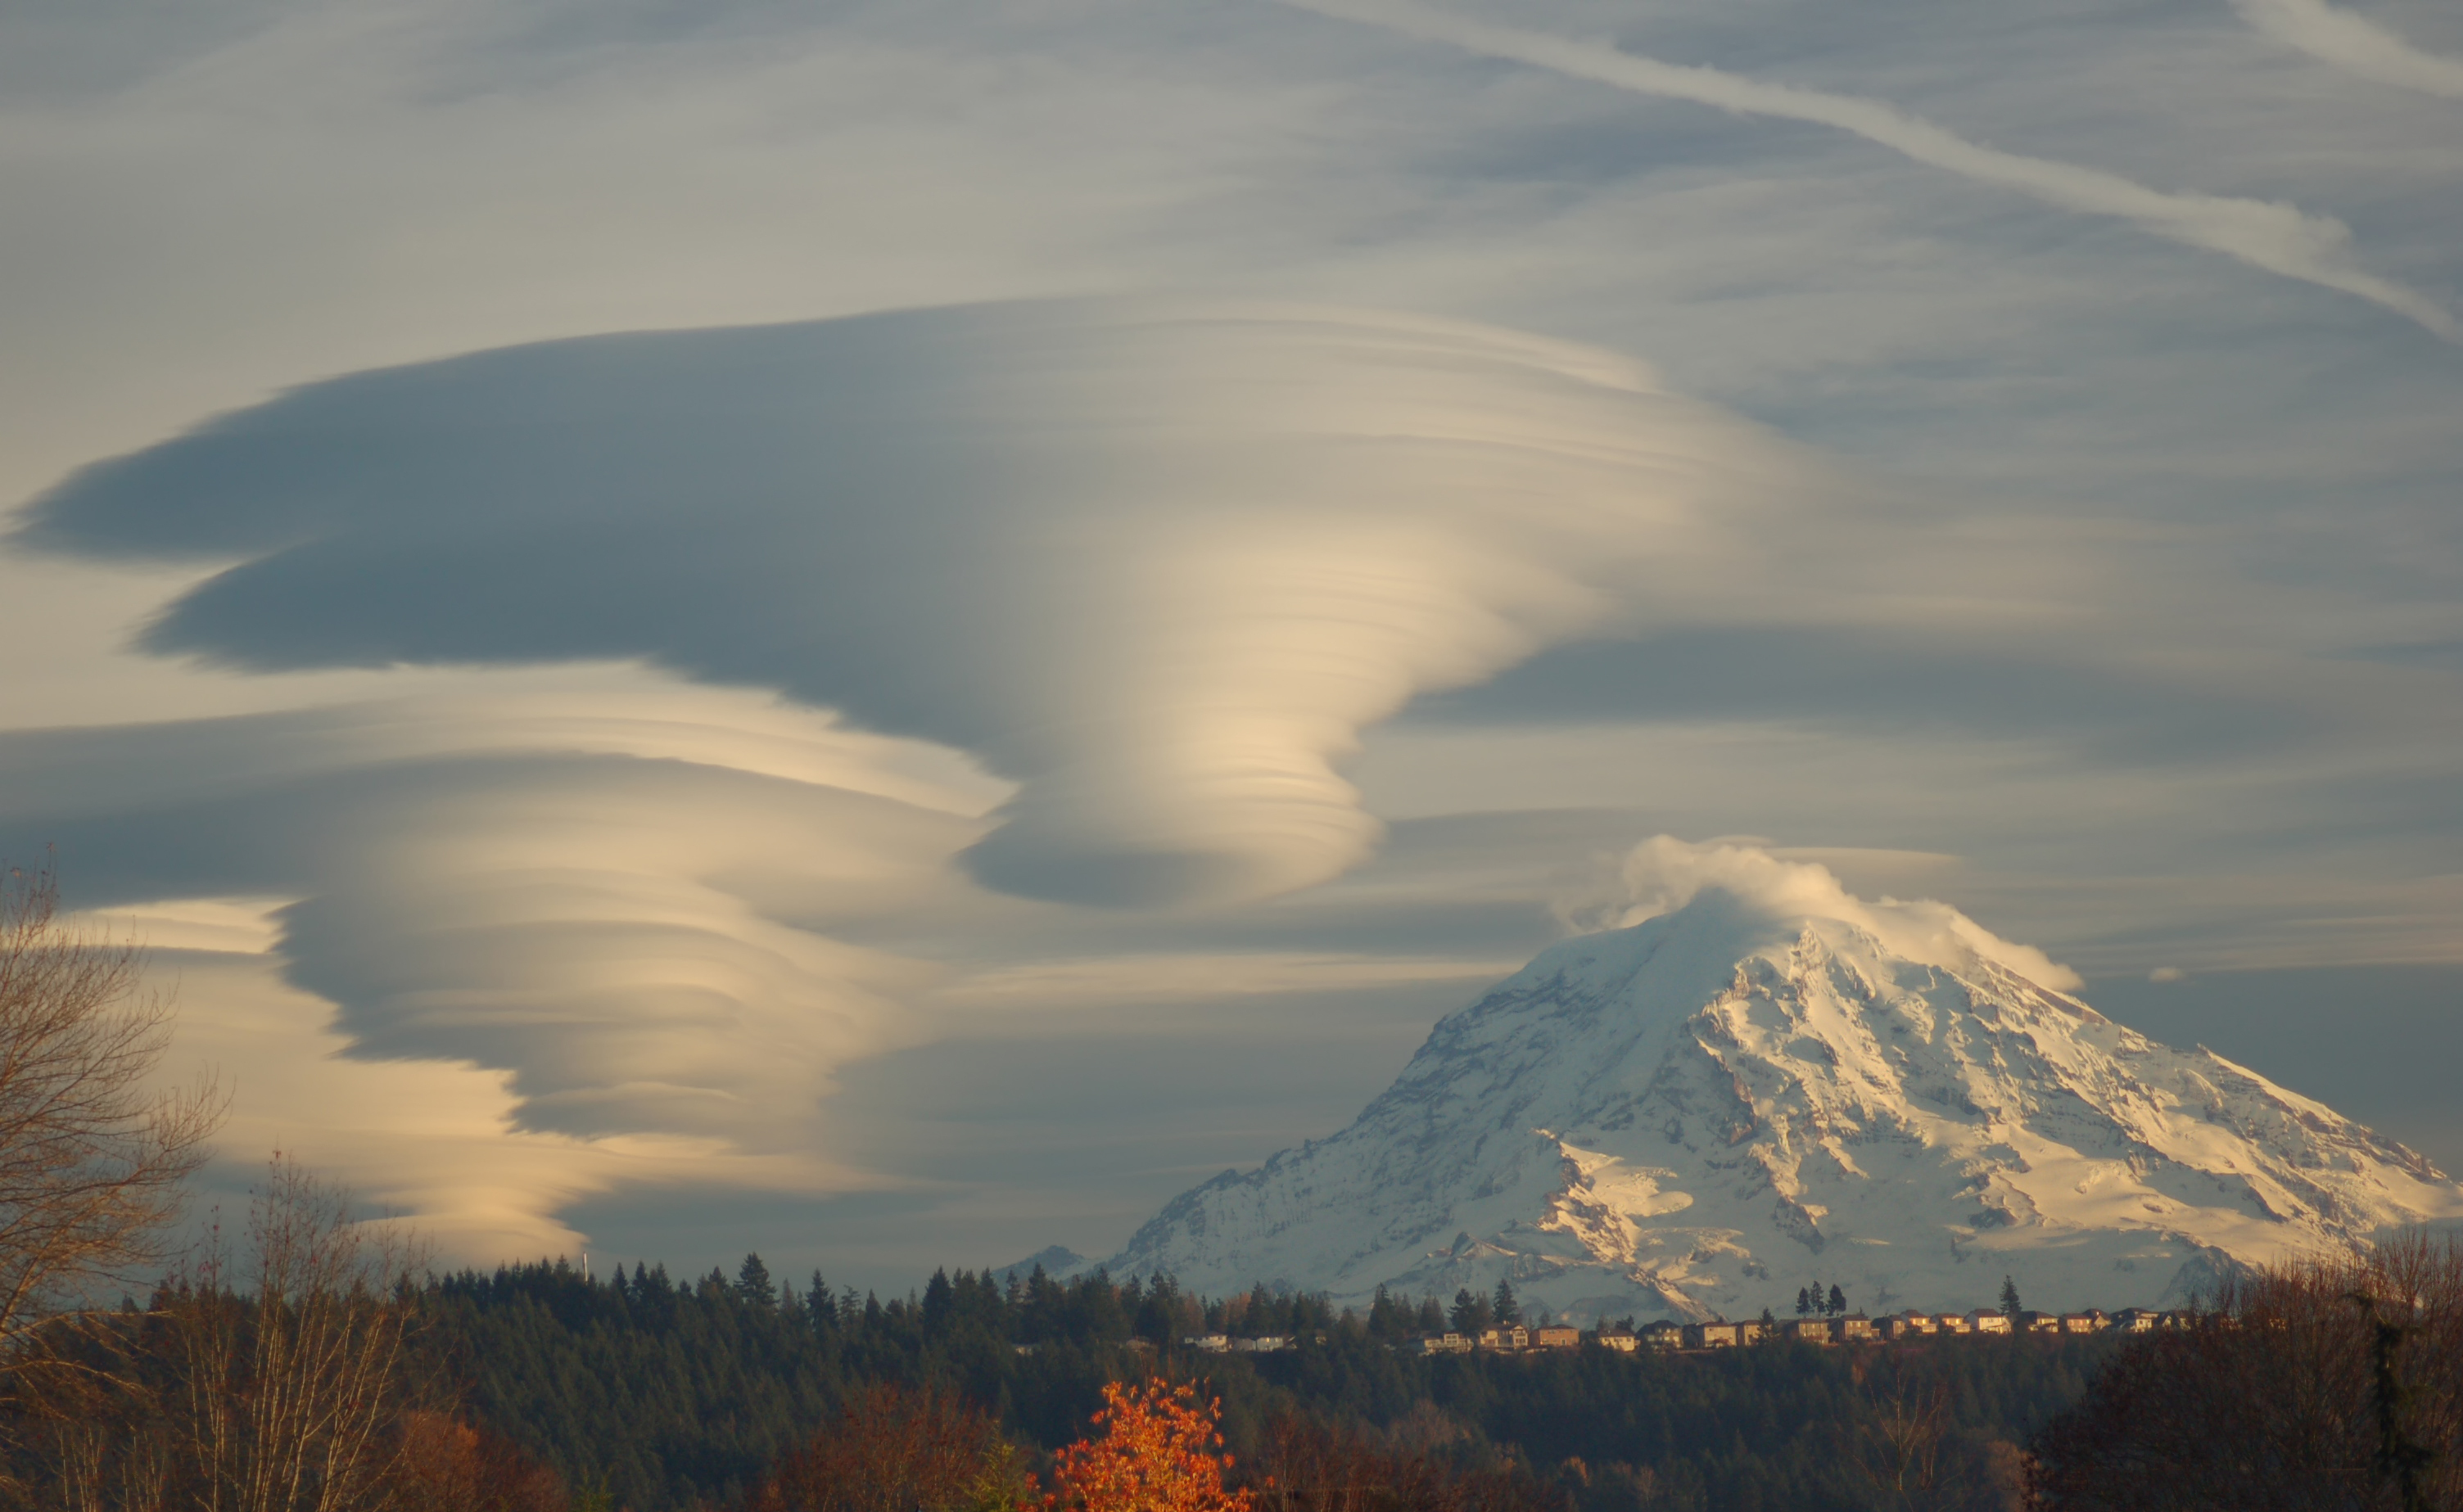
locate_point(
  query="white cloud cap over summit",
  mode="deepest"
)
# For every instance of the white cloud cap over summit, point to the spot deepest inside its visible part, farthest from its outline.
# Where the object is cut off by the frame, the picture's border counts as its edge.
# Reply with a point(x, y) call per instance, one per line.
point(1663, 873)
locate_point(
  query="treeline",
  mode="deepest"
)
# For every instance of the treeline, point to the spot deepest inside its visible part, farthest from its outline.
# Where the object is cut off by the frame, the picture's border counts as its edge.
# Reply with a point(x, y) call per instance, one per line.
point(315, 1364)
point(665, 1394)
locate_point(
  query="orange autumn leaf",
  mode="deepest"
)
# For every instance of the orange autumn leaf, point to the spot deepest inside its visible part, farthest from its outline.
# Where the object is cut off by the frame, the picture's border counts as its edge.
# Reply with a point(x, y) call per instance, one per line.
point(1158, 1451)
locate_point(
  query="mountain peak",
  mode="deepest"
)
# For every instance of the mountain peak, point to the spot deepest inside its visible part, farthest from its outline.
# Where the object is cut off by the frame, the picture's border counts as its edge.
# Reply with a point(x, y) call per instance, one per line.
point(1757, 1080)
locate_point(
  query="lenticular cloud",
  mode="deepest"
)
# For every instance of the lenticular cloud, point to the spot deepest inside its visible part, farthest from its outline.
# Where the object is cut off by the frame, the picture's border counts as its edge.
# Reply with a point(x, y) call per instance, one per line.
point(1157, 565)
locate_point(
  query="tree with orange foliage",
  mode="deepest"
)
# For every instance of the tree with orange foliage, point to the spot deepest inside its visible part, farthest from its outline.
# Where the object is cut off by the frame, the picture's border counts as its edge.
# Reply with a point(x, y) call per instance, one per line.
point(1160, 1451)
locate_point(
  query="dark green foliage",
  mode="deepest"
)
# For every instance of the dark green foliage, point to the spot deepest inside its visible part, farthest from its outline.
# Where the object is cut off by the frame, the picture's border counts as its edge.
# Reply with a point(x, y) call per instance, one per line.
point(753, 1284)
point(1508, 1310)
point(1470, 1312)
point(668, 1395)
point(2010, 1307)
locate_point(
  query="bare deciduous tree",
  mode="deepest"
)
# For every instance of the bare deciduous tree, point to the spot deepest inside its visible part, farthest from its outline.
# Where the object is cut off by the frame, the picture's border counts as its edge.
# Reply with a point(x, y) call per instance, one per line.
point(92, 1161)
point(292, 1382)
point(2335, 1383)
point(281, 1381)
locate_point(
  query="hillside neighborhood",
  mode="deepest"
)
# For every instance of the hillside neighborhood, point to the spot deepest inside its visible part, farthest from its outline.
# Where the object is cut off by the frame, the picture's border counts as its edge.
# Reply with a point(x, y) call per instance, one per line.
point(1719, 1333)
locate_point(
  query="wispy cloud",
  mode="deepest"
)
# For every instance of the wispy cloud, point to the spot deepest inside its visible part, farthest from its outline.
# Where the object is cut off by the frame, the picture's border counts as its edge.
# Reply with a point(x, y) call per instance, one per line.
point(2279, 238)
point(2354, 43)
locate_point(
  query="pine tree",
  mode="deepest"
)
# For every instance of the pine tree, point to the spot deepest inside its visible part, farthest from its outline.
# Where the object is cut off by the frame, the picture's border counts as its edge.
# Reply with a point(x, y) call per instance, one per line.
point(752, 1286)
point(1838, 1307)
point(1508, 1310)
point(1804, 1301)
point(2010, 1308)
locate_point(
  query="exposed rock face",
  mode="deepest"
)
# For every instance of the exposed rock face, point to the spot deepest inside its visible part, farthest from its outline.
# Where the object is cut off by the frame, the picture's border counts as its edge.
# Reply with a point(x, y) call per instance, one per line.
point(1698, 1114)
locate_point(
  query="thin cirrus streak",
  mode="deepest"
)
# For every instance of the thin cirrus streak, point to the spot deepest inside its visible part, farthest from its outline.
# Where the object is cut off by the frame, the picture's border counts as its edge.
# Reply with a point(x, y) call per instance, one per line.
point(2354, 44)
point(2278, 238)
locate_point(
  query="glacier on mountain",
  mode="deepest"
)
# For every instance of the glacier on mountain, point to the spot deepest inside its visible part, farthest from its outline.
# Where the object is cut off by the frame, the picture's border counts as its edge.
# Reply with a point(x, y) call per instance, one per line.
point(1762, 1081)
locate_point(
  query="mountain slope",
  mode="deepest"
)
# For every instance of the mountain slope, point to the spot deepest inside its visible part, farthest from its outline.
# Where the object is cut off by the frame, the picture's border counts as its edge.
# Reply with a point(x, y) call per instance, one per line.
point(1768, 1085)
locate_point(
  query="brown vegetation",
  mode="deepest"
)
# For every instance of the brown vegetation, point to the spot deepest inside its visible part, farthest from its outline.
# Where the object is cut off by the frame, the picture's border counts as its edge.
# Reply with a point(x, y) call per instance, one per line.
point(893, 1450)
point(91, 1161)
point(2328, 1385)
point(284, 1384)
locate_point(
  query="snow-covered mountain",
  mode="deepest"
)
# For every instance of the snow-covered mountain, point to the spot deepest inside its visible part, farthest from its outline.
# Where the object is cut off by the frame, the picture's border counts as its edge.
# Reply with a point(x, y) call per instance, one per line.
point(1774, 1083)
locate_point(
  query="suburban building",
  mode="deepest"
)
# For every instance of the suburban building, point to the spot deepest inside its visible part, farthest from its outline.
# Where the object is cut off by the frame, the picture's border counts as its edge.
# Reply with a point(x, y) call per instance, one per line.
point(1444, 1344)
point(1663, 1334)
point(1556, 1336)
point(1210, 1343)
point(1984, 1320)
point(1856, 1328)
point(1516, 1337)
point(1619, 1340)
point(1806, 1331)
point(1712, 1336)
point(1908, 1323)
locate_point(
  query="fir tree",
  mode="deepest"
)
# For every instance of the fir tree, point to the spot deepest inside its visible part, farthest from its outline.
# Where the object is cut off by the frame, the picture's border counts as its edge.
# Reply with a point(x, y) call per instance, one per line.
point(2010, 1307)
point(752, 1286)
point(1508, 1310)
point(1838, 1307)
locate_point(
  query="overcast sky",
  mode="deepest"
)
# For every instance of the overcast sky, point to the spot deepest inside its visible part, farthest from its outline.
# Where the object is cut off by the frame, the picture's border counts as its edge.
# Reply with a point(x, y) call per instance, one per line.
point(889, 632)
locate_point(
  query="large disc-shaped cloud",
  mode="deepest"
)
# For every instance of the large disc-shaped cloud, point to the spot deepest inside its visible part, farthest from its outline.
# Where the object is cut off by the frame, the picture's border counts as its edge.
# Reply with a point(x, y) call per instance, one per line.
point(1158, 564)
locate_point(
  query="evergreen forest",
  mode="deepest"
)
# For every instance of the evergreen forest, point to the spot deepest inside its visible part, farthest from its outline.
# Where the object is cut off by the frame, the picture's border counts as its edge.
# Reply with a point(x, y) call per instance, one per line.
point(663, 1396)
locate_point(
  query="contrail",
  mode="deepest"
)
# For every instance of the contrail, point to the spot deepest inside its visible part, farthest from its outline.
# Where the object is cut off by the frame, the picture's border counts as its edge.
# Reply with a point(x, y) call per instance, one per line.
point(2353, 43)
point(2279, 238)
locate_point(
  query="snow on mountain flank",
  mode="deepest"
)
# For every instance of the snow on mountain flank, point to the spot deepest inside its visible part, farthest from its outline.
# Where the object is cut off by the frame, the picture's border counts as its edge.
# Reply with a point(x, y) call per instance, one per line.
point(1760, 1080)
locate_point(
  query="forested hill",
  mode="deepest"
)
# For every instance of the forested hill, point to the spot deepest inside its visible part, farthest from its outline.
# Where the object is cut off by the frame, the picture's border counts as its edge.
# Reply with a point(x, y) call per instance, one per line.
point(663, 1395)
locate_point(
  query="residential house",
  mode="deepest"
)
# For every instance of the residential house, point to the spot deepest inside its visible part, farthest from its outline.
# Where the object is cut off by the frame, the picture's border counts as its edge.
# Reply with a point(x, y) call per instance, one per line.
point(1663, 1334)
point(1902, 1324)
point(1987, 1321)
point(1619, 1340)
point(1444, 1344)
point(1711, 1336)
point(1805, 1330)
point(2091, 1321)
point(1953, 1323)
point(1556, 1336)
point(1516, 1337)
point(1854, 1329)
